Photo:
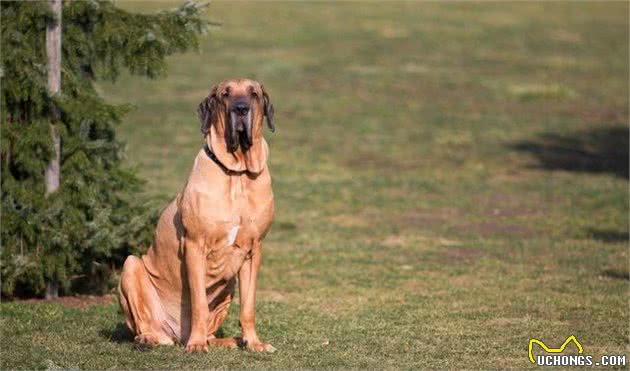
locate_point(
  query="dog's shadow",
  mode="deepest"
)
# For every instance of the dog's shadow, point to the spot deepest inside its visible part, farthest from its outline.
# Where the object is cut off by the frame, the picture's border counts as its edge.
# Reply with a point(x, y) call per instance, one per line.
point(119, 334)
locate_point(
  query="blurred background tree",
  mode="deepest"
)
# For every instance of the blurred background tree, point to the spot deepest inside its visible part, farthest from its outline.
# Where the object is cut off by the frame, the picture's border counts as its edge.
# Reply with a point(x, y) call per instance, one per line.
point(72, 237)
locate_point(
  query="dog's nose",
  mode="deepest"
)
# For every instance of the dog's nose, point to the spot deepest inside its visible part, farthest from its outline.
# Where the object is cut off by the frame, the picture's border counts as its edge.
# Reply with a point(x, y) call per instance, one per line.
point(241, 108)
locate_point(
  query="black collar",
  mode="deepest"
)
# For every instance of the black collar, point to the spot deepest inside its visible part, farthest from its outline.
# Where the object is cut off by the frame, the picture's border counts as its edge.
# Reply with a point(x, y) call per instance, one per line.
point(216, 160)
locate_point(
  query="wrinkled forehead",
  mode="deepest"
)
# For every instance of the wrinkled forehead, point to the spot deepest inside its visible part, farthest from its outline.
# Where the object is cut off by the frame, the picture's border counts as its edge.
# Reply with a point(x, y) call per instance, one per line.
point(239, 87)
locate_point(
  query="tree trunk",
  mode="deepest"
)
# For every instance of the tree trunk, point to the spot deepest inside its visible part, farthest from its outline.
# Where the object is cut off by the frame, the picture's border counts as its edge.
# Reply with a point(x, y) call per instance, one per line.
point(53, 170)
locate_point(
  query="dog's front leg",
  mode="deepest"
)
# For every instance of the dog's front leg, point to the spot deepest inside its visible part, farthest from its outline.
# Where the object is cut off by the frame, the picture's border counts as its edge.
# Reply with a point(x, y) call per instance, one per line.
point(248, 278)
point(194, 250)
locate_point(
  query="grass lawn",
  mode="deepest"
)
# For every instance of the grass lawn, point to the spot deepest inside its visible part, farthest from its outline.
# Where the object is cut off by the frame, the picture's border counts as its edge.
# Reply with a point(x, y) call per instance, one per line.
point(451, 180)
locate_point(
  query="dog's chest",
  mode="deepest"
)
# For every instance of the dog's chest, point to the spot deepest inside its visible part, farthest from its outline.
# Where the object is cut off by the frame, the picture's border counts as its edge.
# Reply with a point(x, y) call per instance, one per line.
point(233, 224)
point(224, 262)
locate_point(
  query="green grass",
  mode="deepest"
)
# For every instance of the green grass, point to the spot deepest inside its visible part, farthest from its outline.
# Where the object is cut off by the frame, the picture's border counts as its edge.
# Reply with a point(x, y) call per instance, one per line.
point(450, 181)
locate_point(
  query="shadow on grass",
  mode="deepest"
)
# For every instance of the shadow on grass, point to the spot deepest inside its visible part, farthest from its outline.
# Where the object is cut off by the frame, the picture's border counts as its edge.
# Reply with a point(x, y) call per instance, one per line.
point(119, 334)
point(607, 235)
point(601, 150)
point(617, 274)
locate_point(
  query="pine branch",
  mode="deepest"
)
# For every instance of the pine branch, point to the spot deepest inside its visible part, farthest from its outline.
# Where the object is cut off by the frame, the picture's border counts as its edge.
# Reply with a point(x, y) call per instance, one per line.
point(97, 214)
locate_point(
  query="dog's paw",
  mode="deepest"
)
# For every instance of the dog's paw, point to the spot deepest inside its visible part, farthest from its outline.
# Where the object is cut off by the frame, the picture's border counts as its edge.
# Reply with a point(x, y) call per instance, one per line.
point(223, 342)
point(146, 341)
point(196, 345)
point(259, 346)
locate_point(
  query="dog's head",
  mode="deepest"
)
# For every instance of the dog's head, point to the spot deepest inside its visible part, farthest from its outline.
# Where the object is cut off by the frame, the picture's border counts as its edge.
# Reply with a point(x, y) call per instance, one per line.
point(239, 106)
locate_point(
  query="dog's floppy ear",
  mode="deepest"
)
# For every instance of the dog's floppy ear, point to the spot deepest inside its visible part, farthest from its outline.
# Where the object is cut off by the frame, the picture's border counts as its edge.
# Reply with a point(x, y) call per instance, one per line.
point(268, 108)
point(206, 109)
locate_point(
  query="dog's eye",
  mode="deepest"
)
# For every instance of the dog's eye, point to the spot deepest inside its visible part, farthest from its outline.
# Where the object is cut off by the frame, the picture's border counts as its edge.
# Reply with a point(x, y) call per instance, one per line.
point(254, 94)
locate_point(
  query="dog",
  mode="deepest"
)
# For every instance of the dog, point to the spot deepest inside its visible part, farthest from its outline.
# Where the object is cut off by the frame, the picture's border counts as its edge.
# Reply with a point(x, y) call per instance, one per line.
point(179, 292)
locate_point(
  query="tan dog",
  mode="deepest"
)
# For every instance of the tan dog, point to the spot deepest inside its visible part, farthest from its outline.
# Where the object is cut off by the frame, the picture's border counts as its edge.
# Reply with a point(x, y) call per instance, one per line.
point(180, 291)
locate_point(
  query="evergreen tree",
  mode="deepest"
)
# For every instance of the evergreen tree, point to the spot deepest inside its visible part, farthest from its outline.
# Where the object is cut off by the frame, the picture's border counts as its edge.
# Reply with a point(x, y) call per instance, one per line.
point(96, 216)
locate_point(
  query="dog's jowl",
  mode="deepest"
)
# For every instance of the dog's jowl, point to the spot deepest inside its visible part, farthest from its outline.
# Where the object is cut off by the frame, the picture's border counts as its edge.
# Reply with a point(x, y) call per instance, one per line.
point(210, 236)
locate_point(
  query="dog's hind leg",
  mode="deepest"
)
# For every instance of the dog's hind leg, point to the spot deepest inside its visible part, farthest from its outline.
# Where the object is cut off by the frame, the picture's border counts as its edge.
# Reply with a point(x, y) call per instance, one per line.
point(141, 304)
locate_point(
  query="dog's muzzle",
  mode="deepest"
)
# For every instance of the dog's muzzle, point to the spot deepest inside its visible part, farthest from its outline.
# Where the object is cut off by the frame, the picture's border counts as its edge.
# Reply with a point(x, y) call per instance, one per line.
point(240, 130)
